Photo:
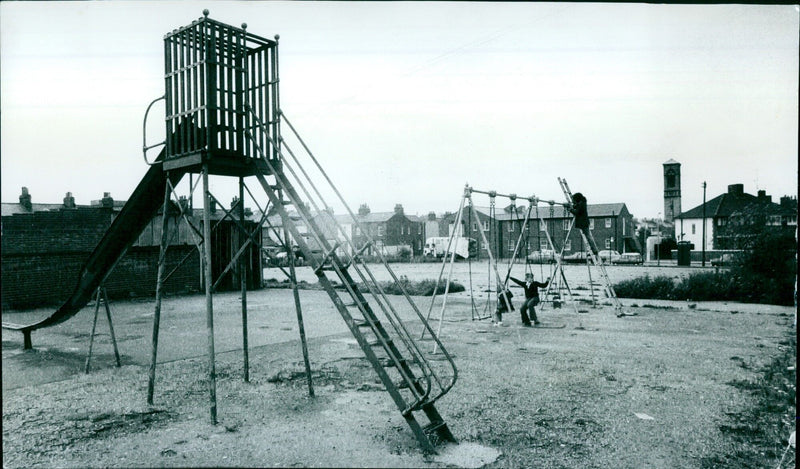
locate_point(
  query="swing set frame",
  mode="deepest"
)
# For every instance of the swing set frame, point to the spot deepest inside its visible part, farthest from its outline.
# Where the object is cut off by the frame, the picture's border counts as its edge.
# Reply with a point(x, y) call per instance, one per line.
point(558, 279)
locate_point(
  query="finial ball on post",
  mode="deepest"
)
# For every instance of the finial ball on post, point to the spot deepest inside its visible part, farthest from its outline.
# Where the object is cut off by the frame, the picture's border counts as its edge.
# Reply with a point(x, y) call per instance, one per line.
point(205, 12)
point(244, 25)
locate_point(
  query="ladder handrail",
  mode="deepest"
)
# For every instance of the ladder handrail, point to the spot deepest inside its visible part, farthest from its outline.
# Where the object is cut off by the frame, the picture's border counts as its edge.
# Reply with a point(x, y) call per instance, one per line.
point(380, 254)
point(395, 321)
point(387, 308)
point(367, 236)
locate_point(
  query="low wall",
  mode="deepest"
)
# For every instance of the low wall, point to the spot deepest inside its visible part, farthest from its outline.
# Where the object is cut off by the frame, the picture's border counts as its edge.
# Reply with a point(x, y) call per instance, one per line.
point(48, 279)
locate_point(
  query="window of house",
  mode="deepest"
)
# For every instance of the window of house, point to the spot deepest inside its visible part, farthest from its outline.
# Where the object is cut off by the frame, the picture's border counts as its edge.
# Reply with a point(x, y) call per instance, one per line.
point(486, 225)
point(475, 226)
point(693, 229)
point(510, 227)
point(608, 243)
point(543, 244)
point(591, 223)
point(568, 245)
point(380, 230)
point(357, 230)
point(419, 229)
point(565, 224)
point(541, 226)
point(721, 221)
point(608, 223)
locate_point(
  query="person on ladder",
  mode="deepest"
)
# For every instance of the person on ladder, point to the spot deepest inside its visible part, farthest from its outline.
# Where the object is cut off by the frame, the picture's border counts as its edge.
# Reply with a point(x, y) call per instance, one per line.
point(531, 288)
point(579, 210)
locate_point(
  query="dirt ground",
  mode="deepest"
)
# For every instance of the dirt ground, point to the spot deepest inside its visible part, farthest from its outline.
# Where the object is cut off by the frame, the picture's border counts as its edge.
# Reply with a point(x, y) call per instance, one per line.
point(659, 389)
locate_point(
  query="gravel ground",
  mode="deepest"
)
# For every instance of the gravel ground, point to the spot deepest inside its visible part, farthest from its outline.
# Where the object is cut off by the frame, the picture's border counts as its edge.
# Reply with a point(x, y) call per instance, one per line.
point(653, 390)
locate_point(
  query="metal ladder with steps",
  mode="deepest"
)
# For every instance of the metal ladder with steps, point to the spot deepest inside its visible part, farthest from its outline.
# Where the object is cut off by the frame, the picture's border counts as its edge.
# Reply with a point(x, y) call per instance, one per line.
point(414, 379)
point(608, 288)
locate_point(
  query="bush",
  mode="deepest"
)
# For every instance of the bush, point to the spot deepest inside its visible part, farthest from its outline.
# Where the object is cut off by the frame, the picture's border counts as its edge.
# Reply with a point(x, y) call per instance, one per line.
point(766, 275)
point(646, 288)
point(768, 270)
point(423, 287)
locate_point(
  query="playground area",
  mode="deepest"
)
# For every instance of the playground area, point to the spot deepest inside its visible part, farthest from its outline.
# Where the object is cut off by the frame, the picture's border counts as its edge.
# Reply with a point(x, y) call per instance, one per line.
point(657, 389)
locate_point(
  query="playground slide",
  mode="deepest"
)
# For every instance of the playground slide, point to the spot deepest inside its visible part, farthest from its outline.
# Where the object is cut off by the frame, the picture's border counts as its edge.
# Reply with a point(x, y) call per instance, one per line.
point(137, 212)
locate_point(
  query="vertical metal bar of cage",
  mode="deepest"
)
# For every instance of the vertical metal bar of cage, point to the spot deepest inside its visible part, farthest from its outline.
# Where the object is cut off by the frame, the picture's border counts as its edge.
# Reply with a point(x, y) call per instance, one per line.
point(167, 96)
point(184, 87)
point(226, 90)
point(211, 85)
point(190, 111)
point(176, 109)
point(196, 89)
point(202, 71)
point(249, 93)
point(256, 104)
point(229, 90)
point(219, 52)
point(275, 105)
point(239, 96)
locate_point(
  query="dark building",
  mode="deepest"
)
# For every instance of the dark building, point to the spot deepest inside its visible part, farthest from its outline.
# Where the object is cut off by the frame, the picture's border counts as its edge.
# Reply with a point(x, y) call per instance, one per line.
point(611, 226)
point(389, 230)
point(44, 247)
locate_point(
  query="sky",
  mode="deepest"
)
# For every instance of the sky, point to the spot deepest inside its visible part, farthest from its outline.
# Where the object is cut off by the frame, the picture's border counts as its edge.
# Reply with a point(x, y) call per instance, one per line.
point(406, 102)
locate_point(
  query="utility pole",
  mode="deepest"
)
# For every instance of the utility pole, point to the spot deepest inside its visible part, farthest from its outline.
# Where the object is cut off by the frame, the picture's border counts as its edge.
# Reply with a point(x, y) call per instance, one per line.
point(704, 225)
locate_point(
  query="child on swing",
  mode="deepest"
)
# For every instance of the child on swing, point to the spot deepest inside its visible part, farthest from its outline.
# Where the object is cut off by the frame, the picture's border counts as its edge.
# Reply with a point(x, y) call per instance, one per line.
point(531, 298)
point(504, 305)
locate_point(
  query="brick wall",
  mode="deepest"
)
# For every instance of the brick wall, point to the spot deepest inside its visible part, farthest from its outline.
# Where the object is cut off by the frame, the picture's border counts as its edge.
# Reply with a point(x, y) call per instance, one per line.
point(58, 232)
point(43, 252)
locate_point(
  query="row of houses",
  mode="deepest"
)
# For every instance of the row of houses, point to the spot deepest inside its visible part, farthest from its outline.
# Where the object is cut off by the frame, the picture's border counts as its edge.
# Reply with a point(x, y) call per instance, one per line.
point(611, 224)
point(52, 240)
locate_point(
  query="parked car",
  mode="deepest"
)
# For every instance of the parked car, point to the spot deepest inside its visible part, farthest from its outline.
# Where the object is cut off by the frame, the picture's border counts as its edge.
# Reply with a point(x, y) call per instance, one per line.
point(725, 259)
point(608, 255)
point(629, 258)
point(545, 256)
point(575, 258)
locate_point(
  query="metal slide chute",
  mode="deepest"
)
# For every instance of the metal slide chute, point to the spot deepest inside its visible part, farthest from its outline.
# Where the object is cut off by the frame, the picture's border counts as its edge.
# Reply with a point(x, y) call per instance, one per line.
point(135, 215)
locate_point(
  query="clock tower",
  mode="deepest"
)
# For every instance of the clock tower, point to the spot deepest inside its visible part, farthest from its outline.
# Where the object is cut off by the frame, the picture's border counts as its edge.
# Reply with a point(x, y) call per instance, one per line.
point(672, 190)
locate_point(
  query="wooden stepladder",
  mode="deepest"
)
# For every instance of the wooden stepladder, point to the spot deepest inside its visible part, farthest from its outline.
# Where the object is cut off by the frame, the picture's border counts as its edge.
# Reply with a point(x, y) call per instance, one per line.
point(594, 260)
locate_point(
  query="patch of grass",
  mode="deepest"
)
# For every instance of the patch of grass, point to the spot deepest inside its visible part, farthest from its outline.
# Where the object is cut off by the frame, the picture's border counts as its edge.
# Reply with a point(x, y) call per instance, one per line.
point(760, 431)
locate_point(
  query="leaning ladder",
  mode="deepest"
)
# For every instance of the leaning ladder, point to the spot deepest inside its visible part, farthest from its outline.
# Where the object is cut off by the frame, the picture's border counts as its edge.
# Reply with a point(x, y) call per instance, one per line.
point(414, 379)
point(594, 259)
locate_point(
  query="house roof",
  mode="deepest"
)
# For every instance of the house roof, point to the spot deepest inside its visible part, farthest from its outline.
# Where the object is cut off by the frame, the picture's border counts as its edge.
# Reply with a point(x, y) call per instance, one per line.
point(12, 208)
point(594, 211)
point(728, 203)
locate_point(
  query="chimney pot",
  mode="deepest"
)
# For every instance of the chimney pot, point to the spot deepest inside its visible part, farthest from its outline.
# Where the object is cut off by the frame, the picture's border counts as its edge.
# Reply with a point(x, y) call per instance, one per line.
point(25, 199)
point(69, 200)
point(736, 189)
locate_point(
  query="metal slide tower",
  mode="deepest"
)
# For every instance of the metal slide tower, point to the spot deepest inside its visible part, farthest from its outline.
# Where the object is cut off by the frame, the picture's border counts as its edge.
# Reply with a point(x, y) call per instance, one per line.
point(223, 118)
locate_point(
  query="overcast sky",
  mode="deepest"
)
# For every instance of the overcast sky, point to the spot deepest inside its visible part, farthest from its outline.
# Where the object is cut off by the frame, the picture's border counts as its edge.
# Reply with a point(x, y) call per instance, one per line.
point(405, 102)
